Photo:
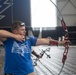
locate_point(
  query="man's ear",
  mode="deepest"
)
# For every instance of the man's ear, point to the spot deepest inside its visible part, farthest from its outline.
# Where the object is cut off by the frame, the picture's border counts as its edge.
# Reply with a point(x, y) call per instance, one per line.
point(15, 31)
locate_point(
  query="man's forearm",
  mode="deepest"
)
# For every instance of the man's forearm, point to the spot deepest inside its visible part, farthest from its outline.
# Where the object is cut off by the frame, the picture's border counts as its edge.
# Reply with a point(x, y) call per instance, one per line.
point(56, 42)
point(6, 34)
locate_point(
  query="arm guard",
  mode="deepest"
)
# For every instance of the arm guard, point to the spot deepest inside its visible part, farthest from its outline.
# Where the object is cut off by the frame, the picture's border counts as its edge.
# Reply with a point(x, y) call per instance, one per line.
point(53, 42)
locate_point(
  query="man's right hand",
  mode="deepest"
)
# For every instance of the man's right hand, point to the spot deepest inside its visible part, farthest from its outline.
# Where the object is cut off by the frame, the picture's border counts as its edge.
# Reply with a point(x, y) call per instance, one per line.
point(19, 37)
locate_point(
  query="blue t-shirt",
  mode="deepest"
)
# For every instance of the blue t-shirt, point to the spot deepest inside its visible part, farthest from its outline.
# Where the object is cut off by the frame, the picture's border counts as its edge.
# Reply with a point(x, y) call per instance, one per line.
point(18, 56)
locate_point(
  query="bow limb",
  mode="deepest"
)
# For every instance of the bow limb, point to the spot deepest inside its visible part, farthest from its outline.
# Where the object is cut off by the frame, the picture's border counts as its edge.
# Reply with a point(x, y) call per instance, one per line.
point(67, 43)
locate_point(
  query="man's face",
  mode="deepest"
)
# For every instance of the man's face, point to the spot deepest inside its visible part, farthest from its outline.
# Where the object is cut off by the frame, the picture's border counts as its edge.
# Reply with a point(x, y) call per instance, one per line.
point(21, 31)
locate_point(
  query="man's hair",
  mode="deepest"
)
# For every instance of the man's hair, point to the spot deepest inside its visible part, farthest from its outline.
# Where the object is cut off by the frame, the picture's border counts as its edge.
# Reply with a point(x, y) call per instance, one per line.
point(17, 24)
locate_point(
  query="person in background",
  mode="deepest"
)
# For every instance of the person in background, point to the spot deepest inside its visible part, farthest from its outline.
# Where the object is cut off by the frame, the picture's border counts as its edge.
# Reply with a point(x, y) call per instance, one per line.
point(18, 49)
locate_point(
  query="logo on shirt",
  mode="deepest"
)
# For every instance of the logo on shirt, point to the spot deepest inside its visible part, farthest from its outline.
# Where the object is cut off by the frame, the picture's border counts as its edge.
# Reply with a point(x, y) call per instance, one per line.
point(20, 48)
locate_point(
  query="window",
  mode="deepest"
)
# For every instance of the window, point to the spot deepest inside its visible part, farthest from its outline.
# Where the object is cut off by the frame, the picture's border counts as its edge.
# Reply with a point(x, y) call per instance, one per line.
point(43, 13)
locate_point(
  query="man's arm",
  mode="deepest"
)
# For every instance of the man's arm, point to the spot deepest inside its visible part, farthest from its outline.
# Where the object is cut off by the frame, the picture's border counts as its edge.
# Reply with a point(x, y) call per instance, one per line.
point(6, 34)
point(47, 41)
